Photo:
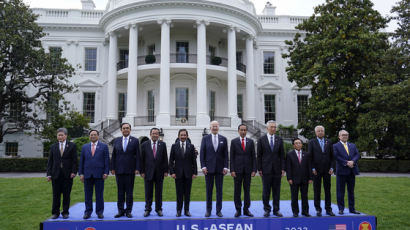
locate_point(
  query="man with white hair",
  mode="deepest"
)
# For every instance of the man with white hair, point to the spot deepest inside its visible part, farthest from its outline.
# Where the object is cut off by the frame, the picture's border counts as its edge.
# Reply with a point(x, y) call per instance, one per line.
point(321, 152)
point(271, 167)
point(346, 155)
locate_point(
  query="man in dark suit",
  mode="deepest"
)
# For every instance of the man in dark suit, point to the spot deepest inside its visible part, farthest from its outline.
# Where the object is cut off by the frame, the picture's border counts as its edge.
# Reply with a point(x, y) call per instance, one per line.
point(61, 169)
point(299, 175)
point(321, 153)
point(154, 166)
point(183, 168)
point(214, 164)
point(243, 167)
point(125, 163)
point(94, 169)
point(271, 167)
point(347, 156)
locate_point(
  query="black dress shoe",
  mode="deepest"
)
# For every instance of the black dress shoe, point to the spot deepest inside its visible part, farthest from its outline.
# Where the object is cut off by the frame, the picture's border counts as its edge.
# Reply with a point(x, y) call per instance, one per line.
point(266, 214)
point(187, 213)
point(65, 216)
point(118, 215)
point(159, 212)
point(247, 213)
point(147, 213)
point(278, 214)
point(178, 213)
point(330, 213)
point(100, 216)
point(295, 215)
point(207, 214)
point(86, 216)
point(219, 214)
point(306, 214)
point(54, 216)
point(340, 212)
point(354, 212)
point(237, 214)
point(318, 213)
point(128, 214)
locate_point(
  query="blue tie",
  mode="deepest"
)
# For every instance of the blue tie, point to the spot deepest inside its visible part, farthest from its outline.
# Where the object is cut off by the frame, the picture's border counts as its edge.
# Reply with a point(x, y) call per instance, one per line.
point(271, 143)
point(322, 145)
point(125, 144)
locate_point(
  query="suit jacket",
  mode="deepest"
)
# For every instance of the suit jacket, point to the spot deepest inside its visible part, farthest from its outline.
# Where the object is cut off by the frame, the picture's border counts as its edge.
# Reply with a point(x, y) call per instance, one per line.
point(125, 162)
point(271, 162)
point(214, 161)
point(242, 160)
point(321, 161)
point(94, 166)
point(183, 165)
point(342, 157)
point(69, 160)
point(299, 173)
point(151, 165)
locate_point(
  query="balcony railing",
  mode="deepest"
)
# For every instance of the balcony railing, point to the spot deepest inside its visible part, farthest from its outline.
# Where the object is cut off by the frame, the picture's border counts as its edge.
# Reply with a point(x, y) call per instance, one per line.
point(183, 121)
point(241, 67)
point(145, 121)
point(223, 121)
point(183, 58)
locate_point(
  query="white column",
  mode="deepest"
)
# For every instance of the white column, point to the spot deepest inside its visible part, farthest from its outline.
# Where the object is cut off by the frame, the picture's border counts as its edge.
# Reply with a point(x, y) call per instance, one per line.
point(250, 81)
point(112, 97)
point(132, 75)
point(202, 116)
point(232, 81)
point(163, 118)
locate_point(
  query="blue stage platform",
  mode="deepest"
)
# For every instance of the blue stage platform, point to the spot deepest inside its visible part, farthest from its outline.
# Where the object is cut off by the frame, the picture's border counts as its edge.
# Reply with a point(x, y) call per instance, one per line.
point(199, 222)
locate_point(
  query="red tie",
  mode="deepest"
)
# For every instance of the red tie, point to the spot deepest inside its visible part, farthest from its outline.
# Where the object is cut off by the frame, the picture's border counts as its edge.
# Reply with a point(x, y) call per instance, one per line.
point(154, 150)
point(299, 157)
point(93, 149)
point(243, 144)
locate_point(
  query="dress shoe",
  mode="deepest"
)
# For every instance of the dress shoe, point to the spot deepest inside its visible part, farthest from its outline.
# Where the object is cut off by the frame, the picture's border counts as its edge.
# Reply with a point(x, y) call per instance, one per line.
point(128, 214)
point(266, 214)
point(237, 214)
point(295, 215)
point(54, 216)
point(187, 213)
point(86, 216)
point(247, 213)
point(219, 214)
point(278, 214)
point(65, 216)
point(147, 213)
point(330, 213)
point(354, 212)
point(159, 212)
point(178, 213)
point(306, 214)
point(340, 212)
point(100, 216)
point(118, 215)
point(318, 213)
point(207, 214)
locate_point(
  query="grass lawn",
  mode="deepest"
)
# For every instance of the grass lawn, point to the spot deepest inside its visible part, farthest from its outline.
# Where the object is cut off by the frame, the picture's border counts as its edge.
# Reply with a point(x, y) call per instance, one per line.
point(25, 202)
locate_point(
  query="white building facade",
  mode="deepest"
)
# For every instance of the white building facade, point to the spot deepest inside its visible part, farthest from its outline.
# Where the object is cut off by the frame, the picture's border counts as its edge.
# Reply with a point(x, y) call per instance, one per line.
point(172, 64)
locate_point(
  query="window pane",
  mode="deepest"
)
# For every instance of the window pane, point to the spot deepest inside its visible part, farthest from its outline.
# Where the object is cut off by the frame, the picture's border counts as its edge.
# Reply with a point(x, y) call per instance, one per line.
point(55, 54)
point(212, 105)
point(182, 52)
point(123, 59)
point(90, 62)
point(11, 148)
point(122, 105)
point(89, 106)
point(268, 62)
point(240, 105)
point(181, 103)
point(269, 107)
point(151, 106)
point(302, 103)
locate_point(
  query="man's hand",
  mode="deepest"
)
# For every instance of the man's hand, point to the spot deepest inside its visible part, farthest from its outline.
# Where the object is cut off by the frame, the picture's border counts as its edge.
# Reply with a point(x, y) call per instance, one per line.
point(290, 181)
point(105, 176)
point(253, 174)
point(82, 178)
point(205, 171)
point(310, 181)
point(113, 172)
point(314, 172)
point(330, 171)
point(143, 175)
point(225, 171)
point(72, 175)
point(165, 174)
point(48, 178)
point(283, 172)
point(260, 173)
point(233, 174)
point(137, 172)
point(174, 175)
point(193, 176)
point(350, 164)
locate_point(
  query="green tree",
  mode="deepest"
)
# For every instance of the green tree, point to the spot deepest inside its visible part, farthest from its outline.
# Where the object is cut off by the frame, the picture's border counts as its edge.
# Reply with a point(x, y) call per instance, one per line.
point(340, 48)
point(30, 78)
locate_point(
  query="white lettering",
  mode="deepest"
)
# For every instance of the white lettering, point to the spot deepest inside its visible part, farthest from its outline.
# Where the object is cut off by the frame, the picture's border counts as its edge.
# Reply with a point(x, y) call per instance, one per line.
point(230, 226)
point(248, 226)
point(222, 227)
point(194, 227)
point(239, 227)
point(213, 227)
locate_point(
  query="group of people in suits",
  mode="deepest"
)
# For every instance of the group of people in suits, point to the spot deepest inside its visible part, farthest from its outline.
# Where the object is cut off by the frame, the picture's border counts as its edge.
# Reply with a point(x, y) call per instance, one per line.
point(151, 162)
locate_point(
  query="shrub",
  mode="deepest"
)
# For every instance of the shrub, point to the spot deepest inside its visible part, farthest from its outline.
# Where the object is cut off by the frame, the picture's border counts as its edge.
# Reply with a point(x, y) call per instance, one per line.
point(215, 60)
point(149, 59)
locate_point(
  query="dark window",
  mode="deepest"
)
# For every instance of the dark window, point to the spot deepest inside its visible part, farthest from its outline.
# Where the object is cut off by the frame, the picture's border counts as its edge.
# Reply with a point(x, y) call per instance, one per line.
point(182, 52)
point(269, 107)
point(240, 105)
point(212, 105)
point(123, 59)
point(151, 49)
point(268, 62)
point(302, 104)
point(122, 105)
point(90, 62)
point(55, 54)
point(181, 103)
point(12, 148)
point(151, 106)
point(89, 106)
point(15, 110)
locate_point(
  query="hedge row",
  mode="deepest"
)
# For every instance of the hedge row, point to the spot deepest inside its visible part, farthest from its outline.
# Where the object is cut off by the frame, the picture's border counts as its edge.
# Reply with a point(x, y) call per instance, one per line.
point(40, 164)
